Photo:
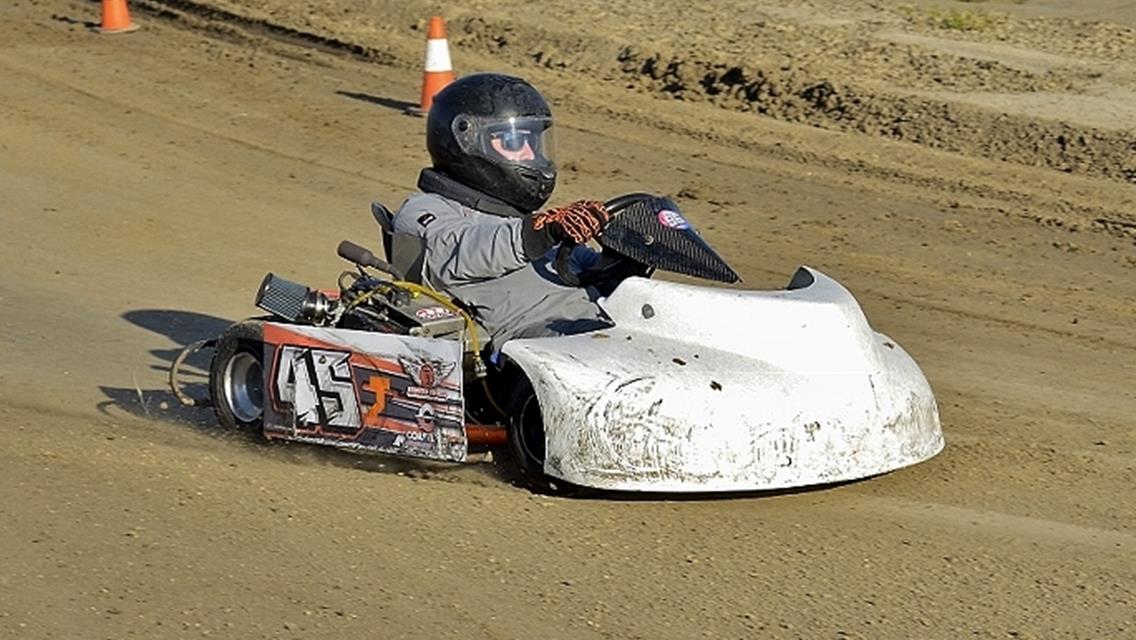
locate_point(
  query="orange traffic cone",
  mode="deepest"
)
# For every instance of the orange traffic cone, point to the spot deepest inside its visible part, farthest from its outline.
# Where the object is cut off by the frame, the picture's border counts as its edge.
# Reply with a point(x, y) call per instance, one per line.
point(439, 71)
point(116, 17)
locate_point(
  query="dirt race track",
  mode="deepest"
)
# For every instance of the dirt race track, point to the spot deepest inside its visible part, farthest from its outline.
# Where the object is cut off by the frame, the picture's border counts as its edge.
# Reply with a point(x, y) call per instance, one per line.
point(967, 170)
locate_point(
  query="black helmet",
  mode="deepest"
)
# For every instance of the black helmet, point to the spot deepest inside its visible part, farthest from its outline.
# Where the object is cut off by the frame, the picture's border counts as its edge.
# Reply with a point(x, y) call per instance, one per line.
point(493, 132)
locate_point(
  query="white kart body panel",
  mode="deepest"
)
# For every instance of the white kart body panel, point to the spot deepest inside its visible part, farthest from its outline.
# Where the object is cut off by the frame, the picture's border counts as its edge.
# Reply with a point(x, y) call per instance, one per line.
point(702, 389)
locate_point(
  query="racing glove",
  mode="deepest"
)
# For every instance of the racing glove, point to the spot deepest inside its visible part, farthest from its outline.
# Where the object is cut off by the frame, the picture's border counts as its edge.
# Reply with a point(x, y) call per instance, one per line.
point(579, 222)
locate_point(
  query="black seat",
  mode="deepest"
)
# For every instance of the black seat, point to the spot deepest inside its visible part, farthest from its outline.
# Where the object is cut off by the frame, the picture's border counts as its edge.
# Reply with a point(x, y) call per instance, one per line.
point(385, 219)
point(404, 251)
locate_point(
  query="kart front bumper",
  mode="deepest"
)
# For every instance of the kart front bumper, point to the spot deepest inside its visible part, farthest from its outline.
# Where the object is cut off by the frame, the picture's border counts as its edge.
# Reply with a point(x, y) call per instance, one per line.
point(706, 390)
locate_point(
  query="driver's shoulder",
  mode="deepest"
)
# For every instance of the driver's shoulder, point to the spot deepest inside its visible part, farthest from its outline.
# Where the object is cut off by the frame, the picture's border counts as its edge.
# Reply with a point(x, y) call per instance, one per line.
point(421, 209)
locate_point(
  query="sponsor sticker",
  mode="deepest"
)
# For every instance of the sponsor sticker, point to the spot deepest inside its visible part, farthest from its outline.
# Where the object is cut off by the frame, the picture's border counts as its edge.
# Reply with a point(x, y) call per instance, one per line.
point(433, 313)
point(428, 375)
point(673, 220)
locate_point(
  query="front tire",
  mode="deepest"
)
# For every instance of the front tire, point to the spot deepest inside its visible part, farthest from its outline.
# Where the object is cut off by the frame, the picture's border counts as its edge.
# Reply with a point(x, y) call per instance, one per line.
point(236, 378)
point(527, 440)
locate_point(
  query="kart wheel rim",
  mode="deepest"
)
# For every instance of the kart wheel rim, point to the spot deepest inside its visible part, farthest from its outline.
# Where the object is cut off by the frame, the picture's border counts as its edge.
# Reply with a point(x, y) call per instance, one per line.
point(244, 387)
point(531, 431)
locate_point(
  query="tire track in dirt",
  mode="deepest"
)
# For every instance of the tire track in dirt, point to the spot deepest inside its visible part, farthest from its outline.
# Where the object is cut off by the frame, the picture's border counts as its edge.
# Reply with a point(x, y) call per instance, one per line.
point(822, 102)
point(791, 94)
point(214, 19)
point(795, 94)
point(1018, 196)
point(1022, 196)
point(109, 99)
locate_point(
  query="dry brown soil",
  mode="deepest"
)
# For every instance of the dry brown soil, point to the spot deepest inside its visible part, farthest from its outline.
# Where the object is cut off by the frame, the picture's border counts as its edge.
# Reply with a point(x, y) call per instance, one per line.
point(968, 175)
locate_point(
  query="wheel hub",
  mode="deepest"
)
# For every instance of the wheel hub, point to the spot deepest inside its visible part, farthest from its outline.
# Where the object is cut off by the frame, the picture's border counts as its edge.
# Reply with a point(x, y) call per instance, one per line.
point(244, 387)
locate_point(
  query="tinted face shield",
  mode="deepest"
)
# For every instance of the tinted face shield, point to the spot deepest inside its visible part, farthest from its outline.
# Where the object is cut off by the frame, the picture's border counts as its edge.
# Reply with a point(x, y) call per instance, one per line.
point(524, 141)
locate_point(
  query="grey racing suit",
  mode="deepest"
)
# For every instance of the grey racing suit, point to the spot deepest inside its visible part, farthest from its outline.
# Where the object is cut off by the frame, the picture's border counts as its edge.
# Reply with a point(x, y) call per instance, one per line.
point(478, 258)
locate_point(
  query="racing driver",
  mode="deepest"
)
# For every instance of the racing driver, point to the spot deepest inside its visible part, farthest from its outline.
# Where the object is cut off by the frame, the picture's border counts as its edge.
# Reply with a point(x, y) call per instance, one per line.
point(474, 226)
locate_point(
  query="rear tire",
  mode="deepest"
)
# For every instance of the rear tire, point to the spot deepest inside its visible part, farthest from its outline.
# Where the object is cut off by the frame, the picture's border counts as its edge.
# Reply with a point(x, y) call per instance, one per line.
point(236, 378)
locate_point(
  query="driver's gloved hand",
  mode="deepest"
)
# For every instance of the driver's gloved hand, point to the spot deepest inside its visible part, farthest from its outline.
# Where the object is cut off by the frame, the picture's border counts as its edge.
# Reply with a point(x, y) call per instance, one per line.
point(578, 222)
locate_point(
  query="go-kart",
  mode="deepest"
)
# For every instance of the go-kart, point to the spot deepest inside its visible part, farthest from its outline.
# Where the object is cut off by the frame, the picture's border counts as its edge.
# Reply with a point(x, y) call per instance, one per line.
point(691, 389)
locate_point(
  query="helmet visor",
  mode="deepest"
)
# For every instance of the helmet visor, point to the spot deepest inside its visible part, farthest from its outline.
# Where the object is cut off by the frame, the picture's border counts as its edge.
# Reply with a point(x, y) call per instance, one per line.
point(523, 141)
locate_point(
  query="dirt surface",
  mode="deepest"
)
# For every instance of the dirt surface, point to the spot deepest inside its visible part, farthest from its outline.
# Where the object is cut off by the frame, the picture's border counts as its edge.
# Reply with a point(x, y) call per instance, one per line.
point(972, 185)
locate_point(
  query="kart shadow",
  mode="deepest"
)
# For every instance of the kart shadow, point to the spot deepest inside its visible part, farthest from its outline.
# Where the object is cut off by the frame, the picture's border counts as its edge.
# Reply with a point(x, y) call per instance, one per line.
point(186, 327)
point(183, 328)
point(581, 493)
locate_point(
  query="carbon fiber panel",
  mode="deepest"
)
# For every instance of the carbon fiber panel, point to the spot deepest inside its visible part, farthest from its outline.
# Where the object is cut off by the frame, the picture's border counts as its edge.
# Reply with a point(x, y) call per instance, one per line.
point(653, 231)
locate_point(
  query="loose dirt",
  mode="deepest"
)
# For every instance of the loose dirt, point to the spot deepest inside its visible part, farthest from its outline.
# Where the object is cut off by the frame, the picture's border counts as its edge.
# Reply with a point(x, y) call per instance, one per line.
point(965, 169)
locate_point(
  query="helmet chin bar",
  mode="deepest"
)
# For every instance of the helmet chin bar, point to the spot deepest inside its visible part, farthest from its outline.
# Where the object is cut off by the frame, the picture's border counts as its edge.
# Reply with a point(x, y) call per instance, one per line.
point(543, 182)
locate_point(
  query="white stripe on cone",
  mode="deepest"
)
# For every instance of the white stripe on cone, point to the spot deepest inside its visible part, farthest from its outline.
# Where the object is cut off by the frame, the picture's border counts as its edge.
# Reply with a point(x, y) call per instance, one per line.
point(438, 56)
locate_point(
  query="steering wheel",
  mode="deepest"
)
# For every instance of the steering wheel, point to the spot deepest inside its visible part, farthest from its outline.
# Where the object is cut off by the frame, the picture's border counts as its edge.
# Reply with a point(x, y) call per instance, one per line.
point(612, 264)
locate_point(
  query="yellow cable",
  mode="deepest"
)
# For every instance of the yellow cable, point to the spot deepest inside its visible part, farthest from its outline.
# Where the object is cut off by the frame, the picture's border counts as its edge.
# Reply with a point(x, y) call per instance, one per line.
point(418, 289)
point(447, 303)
